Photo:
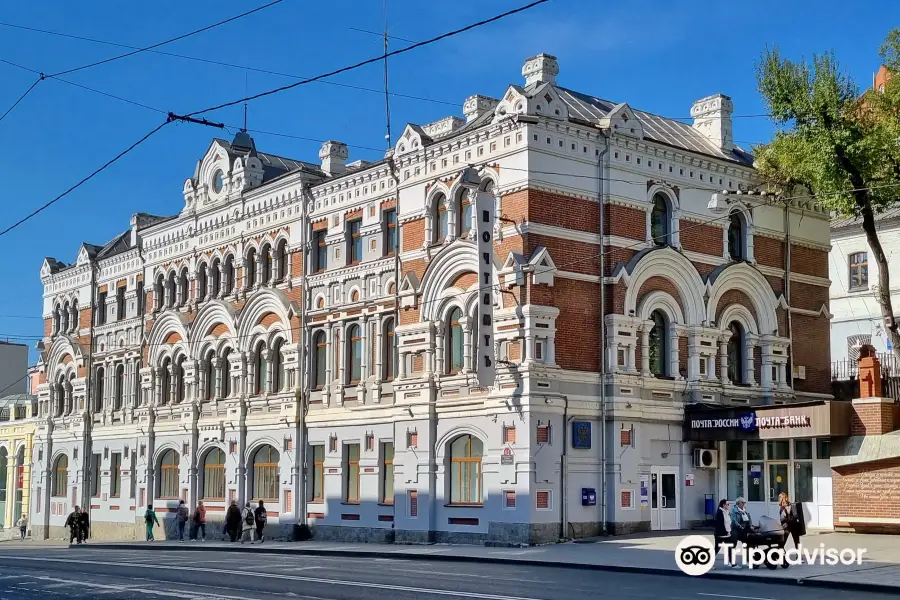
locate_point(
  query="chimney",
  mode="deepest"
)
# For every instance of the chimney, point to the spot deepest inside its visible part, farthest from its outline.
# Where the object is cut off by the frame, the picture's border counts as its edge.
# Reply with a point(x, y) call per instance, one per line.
point(334, 157)
point(477, 105)
point(712, 118)
point(539, 69)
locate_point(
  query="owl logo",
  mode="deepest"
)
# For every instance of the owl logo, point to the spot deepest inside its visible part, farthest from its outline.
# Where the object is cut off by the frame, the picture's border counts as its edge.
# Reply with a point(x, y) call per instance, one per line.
point(748, 422)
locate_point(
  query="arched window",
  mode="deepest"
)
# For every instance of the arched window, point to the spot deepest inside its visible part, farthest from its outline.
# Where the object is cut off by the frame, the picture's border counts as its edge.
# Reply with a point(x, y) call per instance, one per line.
point(202, 281)
point(61, 476)
point(99, 389)
point(214, 475)
point(228, 282)
point(226, 373)
point(465, 470)
point(60, 397)
point(281, 260)
point(265, 253)
point(354, 354)
point(209, 375)
point(441, 220)
point(56, 317)
point(265, 474)
point(168, 475)
point(170, 290)
point(262, 368)
point(119, 398)
point(661, 220)
point(278, 381)
point(465, 214)
point(184, 296)
point(159, 291)
point(659, 342)
point(19, 483)
point(250, 269)
point(166, 382)
point(65, 317)
point(215, 277)
point(736, 353)
point(320, 360)
point(736, 237)
point(455, 345)
point(389, 341)
point(179, 380)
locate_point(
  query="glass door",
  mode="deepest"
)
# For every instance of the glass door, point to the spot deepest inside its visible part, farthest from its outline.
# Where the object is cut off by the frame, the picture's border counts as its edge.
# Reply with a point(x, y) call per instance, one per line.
point(778, 480)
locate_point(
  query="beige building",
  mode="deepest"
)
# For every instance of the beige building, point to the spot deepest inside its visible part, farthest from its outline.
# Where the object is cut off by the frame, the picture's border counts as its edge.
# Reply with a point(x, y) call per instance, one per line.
point(17, 428)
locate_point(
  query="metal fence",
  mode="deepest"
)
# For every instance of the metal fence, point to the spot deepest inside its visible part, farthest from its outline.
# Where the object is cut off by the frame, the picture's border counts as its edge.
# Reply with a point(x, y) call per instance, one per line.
point(845, 377)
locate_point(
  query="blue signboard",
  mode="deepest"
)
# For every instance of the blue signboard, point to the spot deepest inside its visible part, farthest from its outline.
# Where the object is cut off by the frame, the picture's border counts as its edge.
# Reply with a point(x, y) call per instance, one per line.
point(581, 435)
point(588, 497)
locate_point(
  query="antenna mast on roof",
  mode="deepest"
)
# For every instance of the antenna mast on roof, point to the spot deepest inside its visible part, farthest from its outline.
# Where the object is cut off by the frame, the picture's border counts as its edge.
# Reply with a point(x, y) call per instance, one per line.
point(387, 101)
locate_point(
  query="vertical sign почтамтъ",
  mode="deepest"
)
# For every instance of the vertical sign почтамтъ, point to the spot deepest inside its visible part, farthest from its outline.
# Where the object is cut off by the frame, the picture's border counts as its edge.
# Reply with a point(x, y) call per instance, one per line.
point(484, 353)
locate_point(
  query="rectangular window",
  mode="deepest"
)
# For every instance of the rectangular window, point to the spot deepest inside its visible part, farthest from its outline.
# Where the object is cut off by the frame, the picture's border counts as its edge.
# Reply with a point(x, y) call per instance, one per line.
point(412, 501)
point(288, 444)
point(387, 472)
point(509, 435)
point(539, 350)
point(803, 481)
point(115, 469)
point(95, 475)
point(823, 449)
point(859, 270)
point(735, 478)
point(317, 485)
point(354, 241)
point(509, 499)
point(543, 434)
point(803, 450)
point(321, 251)
point(288, 505)
point(120, 303)
point(351, 473)
point(542, 500)
point(412, 439)
point(390, 232)
point(101, 308)
point(778, 450)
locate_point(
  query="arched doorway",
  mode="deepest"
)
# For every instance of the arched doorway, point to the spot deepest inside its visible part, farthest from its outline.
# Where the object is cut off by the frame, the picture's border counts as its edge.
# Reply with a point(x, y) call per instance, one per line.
point(20, 483)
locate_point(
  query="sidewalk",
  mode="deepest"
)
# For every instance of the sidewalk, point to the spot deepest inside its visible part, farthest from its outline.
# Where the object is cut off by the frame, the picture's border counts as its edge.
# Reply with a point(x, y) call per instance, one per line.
point(647, 553)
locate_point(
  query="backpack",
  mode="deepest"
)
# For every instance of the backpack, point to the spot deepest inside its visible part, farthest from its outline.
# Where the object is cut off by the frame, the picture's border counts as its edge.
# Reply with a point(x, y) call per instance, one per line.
point(261, 515)
point(248, 518)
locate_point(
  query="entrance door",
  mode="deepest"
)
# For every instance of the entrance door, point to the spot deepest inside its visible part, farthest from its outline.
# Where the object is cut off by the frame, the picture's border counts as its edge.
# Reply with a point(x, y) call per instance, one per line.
point(778, 480)
point(664, 498)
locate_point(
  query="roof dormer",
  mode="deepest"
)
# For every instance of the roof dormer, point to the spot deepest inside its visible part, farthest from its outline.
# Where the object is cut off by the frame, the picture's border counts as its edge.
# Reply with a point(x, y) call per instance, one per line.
point(412, 140)
point(622, 120)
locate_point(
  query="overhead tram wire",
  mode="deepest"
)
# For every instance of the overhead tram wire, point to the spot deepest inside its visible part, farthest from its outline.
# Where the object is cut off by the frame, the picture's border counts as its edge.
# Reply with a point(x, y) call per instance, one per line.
point(22, 97)
point(168, 41)
point(375, 59)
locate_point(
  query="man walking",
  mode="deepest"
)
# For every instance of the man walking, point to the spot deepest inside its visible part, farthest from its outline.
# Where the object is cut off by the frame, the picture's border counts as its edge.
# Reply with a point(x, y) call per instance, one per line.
point(23, 525)
point(150, 520)
point(261, 517)
point(199, 522)
point(248, 524)
point(84, 523)
point(73, 522)
point(233, 521)
point(181, 517)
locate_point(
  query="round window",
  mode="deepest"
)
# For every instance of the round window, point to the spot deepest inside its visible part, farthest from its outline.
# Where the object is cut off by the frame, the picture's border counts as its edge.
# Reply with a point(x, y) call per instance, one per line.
point(218, 181)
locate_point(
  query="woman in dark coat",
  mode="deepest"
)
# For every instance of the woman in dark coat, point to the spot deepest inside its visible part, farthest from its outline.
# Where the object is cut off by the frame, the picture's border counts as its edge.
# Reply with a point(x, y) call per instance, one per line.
point(233, 521)
point(790, 520)
point(722, 526)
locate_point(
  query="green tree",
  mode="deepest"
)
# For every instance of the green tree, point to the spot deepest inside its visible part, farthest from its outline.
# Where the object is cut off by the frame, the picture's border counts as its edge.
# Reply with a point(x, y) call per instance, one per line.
point(843, 147)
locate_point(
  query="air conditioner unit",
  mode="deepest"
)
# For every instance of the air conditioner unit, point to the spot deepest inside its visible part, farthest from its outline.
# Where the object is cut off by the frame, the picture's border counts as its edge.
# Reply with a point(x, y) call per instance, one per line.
point(705, 458)
point(799, 372)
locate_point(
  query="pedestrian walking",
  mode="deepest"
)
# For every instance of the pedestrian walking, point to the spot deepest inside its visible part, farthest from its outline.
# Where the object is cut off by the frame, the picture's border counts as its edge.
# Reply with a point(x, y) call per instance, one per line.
point(73, 522)
point(199, 525)
point(248, 524)
point(23, 525)
point(233, 521)
point(790, 519)
point(150, 520)
point(182, 514)
point(84, 522)
point(260, 516)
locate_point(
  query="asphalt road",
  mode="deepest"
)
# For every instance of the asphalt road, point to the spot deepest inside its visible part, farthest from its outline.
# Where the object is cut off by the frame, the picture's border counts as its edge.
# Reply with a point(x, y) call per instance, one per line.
point(73, 573)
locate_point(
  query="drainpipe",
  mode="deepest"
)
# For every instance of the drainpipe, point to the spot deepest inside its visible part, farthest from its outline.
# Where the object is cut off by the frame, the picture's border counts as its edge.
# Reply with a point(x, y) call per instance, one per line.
point(302, 393)
point(787, 290)
point(601, 194)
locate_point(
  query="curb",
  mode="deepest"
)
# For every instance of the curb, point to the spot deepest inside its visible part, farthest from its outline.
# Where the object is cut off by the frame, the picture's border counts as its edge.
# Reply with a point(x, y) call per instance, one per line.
point(301, 551)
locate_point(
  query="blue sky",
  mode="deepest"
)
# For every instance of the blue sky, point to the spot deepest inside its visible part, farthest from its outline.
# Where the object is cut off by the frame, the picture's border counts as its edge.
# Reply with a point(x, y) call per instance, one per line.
point(656, 55)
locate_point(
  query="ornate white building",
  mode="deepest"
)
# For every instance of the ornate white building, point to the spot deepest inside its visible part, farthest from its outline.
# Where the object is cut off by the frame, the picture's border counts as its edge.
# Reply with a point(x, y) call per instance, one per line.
point(304, 333)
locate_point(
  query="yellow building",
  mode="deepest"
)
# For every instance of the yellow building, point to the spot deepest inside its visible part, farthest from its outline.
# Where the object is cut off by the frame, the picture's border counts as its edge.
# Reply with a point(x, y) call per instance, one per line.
point(18, 414)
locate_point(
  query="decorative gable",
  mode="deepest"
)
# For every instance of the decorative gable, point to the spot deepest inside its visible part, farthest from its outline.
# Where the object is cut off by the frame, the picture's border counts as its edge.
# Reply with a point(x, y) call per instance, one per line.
point(622, 120)
point(512, 272)
point(84, 257)
point(413, 139)
point(409, 290)
point(542, 267)
point(547, 103)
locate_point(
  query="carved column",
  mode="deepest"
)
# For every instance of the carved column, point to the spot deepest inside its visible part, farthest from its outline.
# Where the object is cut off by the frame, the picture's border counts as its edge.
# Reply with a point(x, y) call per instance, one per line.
point(439, 351)
point(342, 354)
point(379, 350)
point(260, 272)
point(751, 370)
point(470, 331)
point(222, 282)
point(645, 349)
point(269, 383)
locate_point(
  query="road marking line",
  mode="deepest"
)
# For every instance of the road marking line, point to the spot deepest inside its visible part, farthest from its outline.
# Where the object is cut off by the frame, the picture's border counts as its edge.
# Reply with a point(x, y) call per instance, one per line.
point(730, 596)
point(361, 584)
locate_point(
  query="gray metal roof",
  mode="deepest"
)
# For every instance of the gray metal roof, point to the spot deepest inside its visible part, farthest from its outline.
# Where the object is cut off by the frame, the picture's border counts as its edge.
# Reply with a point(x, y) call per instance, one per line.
point(891, 213)
point(659, 129)
point(273, 166)
point(18, 400)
